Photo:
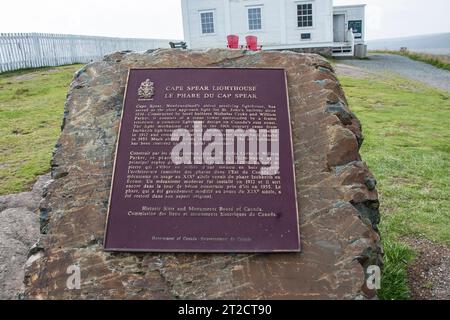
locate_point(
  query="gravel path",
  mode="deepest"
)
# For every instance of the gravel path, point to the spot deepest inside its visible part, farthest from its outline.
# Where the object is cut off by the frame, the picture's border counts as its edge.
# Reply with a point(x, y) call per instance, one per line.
point(428, 273)
point(405, 67)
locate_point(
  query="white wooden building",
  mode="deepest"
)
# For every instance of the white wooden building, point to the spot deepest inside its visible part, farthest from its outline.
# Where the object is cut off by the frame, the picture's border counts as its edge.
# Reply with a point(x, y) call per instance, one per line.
point(301, 25)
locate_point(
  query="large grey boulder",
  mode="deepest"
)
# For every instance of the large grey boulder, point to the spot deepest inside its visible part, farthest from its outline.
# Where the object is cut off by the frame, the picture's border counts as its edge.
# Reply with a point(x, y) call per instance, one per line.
point(337, 198)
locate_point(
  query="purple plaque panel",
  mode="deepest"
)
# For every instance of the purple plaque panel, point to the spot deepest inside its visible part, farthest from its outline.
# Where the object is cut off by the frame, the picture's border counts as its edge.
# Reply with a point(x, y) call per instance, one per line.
point(204, 163)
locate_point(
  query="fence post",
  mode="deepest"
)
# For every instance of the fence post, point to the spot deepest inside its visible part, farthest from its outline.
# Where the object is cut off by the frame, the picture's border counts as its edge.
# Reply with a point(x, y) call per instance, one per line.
point(31, 50)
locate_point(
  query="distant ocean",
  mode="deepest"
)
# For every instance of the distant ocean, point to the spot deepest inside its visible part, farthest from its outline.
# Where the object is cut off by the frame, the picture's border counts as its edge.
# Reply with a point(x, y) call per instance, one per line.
point(433, 44)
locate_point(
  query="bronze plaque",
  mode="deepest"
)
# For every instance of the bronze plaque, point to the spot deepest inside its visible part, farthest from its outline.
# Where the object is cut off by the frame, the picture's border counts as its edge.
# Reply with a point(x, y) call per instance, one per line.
point(204, 163)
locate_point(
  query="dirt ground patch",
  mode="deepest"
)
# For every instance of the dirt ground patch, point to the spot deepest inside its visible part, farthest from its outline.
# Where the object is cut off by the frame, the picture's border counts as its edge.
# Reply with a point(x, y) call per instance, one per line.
point(428, 274)
point(350, 71)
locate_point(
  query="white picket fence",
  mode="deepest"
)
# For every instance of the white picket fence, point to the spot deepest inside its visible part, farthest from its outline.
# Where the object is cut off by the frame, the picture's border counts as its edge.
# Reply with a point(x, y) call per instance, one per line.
point(31, 50)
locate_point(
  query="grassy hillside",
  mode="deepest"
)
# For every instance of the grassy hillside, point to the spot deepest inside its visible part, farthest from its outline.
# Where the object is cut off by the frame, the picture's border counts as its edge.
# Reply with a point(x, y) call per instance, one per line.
point(407, 133)
point(31, 107)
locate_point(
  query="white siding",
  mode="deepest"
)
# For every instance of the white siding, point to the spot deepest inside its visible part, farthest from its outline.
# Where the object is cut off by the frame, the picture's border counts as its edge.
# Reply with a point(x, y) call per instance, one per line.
point(270, 10)
point(356, 12)
point(279, 23)
point(322, 29)
point(193, 32)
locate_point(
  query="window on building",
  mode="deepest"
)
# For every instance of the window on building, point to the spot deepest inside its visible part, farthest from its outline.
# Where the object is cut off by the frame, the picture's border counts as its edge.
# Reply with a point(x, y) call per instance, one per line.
point(254, 19)
point(304, 15)
point(207, 21)
point(306, 36)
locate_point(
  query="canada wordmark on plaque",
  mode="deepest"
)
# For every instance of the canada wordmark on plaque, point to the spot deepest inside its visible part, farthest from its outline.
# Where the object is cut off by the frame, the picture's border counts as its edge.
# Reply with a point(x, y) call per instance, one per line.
point(204, 163)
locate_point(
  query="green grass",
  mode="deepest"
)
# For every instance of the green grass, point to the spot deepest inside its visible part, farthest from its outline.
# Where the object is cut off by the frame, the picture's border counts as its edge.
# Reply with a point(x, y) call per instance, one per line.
point(31, 109)
point(394, 283)
point(407, 146)
point(439, 61)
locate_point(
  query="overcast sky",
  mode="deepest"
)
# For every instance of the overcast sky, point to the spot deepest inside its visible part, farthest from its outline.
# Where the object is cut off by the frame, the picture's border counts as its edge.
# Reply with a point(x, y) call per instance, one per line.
point(162, 18)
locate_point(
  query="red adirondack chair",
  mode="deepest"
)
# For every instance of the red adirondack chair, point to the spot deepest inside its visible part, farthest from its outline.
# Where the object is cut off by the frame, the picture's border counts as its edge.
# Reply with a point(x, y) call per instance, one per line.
point(252, 43)
point(233, 41)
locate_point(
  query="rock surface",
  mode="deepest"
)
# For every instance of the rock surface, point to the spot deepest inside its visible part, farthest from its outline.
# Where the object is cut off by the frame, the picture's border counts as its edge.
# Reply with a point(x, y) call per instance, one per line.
point(19, 230)
point(338, 207)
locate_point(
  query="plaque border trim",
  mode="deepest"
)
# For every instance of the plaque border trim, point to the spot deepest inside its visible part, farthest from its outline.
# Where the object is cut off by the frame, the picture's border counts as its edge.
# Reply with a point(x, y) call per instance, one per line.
point(221, 251)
